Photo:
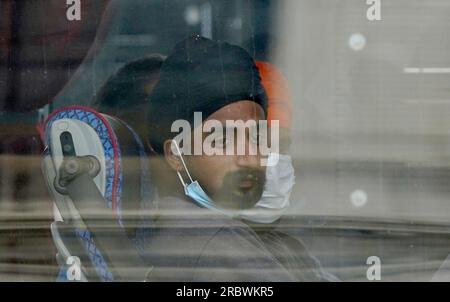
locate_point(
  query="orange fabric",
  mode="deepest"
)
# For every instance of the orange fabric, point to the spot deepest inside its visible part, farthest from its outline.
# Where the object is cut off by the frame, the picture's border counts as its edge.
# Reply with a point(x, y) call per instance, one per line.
point(278, 92)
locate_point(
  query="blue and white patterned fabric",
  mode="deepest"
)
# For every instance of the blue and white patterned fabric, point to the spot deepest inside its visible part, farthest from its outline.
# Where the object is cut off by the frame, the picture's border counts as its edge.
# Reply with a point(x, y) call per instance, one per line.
point(114, 179)
point(114, 182)
point(108, 139)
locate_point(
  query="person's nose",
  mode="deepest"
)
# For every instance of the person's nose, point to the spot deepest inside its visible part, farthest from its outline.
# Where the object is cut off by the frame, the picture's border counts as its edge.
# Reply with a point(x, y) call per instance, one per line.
point(251, 157)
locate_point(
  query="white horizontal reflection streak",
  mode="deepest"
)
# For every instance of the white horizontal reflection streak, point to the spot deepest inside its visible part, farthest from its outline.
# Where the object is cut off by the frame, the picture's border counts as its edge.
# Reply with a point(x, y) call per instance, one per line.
point(429, 70)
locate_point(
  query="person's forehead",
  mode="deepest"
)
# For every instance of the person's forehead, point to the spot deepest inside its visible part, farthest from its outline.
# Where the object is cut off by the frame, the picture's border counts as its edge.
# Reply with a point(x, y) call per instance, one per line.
point(242, 110)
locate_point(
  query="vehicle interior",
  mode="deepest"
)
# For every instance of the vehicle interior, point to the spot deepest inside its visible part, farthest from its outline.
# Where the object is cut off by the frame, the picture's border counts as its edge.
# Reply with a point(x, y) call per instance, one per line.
point(369, 139)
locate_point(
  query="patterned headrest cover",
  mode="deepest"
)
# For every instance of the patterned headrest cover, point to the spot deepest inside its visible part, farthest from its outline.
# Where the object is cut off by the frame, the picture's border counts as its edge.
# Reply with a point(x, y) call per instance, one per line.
point(110, 130)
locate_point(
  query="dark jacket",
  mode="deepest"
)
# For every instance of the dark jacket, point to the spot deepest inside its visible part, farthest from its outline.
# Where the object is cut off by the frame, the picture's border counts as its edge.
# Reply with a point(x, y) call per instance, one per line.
point(192, 244)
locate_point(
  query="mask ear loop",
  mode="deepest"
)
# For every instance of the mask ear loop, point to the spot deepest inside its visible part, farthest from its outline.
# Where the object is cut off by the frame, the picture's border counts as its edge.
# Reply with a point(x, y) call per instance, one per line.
point(184, 165)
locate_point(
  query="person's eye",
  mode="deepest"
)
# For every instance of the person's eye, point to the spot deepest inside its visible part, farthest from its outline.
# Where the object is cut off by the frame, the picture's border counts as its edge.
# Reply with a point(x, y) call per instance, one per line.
point(262, 139)
point(221, 142)
point(254, 138)
point(257, 138)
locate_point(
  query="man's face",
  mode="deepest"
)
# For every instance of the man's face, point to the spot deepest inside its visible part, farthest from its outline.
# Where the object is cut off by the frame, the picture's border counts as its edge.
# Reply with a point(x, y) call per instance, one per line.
point(232, 181)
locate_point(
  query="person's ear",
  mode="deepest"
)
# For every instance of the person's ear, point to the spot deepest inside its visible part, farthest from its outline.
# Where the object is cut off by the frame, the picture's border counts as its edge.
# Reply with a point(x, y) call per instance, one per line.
point(172, 156)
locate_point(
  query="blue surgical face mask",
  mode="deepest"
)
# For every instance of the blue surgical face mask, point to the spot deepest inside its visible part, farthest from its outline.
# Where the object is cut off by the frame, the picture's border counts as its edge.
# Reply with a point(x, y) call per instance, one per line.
point(196, 192)
point(280, 179)
point(193, 188)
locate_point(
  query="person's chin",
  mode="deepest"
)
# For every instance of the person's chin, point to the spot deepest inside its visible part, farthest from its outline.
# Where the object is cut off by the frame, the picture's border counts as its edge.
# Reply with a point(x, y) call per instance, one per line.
point(241, 200)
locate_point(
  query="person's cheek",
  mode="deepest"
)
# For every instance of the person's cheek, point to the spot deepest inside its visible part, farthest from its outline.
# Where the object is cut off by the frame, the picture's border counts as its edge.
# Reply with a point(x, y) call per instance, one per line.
point(213, 171)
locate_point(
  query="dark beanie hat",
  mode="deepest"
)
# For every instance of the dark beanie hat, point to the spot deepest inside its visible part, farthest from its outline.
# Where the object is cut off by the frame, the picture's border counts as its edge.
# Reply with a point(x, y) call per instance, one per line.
point(201, 75)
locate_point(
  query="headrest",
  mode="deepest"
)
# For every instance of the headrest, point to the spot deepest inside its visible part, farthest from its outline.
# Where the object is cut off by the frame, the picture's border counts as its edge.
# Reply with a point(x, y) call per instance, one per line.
point(124, 179)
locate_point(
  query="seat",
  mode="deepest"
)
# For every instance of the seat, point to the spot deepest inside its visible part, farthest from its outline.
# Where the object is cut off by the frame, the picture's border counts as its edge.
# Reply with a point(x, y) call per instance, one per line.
point(98, 174)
